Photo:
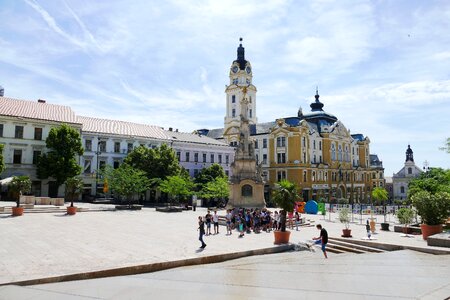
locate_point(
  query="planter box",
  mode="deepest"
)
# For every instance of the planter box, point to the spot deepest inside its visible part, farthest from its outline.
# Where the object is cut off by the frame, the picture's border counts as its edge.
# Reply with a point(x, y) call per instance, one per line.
point(57, 201)
point(414, 229)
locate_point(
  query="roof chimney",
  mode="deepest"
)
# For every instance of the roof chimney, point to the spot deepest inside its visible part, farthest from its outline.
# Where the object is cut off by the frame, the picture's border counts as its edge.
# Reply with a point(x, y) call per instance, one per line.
point(41, 101)
point(176, 130)
point(2, 91)
point(170, 129)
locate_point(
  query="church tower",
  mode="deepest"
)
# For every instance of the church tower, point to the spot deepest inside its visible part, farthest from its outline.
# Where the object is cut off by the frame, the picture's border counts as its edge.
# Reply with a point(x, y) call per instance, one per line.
point(241, 75)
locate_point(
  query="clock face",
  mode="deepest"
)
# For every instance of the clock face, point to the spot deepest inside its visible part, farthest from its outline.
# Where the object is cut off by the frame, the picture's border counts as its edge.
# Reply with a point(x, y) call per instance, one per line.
point(248, 69)
point(235, 69)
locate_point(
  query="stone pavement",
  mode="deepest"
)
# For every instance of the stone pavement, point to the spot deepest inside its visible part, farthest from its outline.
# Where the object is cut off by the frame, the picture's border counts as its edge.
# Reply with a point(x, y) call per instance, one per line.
point(401, 274)
point(52, 244)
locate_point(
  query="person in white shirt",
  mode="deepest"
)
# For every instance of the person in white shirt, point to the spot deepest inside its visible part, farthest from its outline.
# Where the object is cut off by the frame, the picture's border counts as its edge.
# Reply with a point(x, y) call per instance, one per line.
point(216, 222)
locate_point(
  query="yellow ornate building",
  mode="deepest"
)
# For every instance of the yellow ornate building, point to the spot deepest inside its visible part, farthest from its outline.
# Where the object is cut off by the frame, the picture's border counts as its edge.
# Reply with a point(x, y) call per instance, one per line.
point(319, 154)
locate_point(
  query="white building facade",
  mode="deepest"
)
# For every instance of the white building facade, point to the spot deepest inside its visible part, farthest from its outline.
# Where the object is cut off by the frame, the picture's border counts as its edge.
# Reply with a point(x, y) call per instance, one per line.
point(401, 179)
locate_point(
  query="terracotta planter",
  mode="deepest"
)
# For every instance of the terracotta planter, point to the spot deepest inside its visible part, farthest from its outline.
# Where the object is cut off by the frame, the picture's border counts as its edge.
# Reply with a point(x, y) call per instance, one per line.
point(428, 230)
point(372, 225)
point(407, 230)
point(17, 211)
point(281, 237)
point(346, 233)
point(71, 210)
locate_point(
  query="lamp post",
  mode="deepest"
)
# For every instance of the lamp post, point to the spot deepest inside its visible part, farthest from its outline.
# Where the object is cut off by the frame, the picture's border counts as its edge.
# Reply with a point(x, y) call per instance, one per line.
point(97, 153)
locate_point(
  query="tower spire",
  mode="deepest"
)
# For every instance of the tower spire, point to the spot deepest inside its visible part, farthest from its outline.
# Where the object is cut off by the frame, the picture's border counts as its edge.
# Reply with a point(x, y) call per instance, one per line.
point(317, 105)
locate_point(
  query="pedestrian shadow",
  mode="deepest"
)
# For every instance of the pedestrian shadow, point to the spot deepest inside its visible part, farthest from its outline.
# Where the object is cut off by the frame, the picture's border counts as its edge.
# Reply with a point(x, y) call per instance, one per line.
point(199, 250)
point(63, 215)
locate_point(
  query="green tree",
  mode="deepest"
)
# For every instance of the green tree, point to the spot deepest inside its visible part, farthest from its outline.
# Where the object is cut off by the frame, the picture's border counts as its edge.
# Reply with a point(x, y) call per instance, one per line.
point(433, 208)
point(380, 195)
point(207, 175)
point(216, 189)
point(433, 181)
point(126, 181)
point(158, 163)
point(20, 185)
point(60, 163)
point(284, 195)
point(2, 162)
point(446, 148)
point(177, 187)
point(74, 186)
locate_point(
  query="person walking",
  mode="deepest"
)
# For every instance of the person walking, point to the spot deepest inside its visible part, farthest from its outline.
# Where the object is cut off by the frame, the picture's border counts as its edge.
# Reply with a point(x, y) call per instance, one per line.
point(297, 220)
point(201, 228)
point(368, 229)
point(228, 217)
point(208, 219)
point(216, 222)
point(322, 239)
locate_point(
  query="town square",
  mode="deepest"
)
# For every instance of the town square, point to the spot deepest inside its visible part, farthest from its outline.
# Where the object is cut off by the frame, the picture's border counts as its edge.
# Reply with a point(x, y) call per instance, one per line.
point(320, 171)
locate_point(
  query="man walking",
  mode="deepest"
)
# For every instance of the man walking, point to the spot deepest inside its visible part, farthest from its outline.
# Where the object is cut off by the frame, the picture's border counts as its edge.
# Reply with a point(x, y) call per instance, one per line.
point(216, 222)
point(322, 239)
point(201, 228)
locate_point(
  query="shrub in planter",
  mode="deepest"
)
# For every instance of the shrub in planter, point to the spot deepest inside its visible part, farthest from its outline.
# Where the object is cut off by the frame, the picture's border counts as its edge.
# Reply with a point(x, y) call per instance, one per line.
point(284, 195)
point(433, 210)
point(405, 217)
point(20, 184)
point(344, 218)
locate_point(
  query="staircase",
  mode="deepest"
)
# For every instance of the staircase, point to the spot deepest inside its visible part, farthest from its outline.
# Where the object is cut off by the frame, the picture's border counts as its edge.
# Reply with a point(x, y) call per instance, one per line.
point(338, 247)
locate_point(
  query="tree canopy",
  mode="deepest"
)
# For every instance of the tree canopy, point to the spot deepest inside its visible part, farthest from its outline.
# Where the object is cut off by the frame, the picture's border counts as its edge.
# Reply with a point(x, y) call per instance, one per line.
point(64, 144)
point(209, 174)
point(433, 181)
point(126, 180)
point(158, 163)
point(446, 148)
point(380, 195)
point(178, 187)
point(20, 185)
point(217, 188)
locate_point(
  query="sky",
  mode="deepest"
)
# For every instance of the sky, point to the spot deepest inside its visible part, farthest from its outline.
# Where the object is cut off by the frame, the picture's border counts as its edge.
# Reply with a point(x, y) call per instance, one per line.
point(382, 67)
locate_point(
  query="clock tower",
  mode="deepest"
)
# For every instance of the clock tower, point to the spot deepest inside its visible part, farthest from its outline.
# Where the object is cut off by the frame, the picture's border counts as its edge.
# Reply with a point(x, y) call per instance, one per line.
point(240, 75)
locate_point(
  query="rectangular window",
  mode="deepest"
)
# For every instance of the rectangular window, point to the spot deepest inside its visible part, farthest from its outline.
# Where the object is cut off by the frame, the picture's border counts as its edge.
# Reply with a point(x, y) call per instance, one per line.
point(233, 113)
point(250, 113)
point(314, 158)
point(281, 141)
point(116, 164)
point(320, 145)
point(227, 159)
point(17, 159)
point(264, 143)
point(305, 178)
point(87, 166)
point(19, 132)
point(36, 155)
point(212, 158)
point(281, 158)
point(281, 175)
point(233, 99)
point(264, 159)
point(219, 157)
point(314, 144)
point(38, 134)
point(195, 159)
point(187, 156)
point(129, 147)
point(117, 147)
point(1, 130)
point(204, 157)
point(256, 144)
point(88, 145)
point(227, 173)
point(102, 146)
point(195, 172)
point(178, 155)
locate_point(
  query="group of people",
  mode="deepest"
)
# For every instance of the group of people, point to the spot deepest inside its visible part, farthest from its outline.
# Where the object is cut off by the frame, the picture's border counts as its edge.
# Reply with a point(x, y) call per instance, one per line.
point(256, 220)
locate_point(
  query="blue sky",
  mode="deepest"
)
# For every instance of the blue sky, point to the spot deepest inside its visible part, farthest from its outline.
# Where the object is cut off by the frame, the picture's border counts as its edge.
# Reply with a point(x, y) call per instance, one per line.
point(382, 67)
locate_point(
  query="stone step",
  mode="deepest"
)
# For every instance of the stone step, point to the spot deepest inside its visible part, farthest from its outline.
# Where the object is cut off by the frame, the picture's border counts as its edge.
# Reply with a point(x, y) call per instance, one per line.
point(343, 248)
point(355, 246)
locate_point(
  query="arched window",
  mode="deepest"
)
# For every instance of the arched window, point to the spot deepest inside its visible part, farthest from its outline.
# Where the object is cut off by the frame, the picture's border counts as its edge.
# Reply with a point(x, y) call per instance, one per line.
point(340, 153)
point(409, 170)
point(402, 189)
point(247, 190)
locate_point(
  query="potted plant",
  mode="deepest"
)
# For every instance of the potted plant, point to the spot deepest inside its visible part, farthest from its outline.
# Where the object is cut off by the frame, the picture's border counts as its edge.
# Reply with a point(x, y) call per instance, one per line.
point(380, 195)
point(405, 217)
point(284, 195)
point(20, 184)
point(433, 209)
point(344, 218)
point(74, 187)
